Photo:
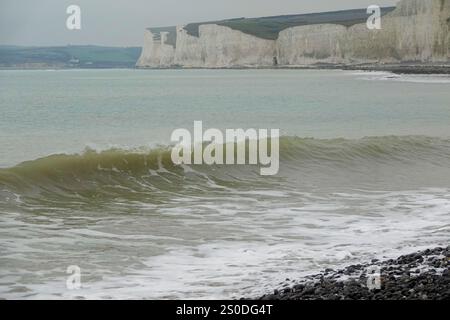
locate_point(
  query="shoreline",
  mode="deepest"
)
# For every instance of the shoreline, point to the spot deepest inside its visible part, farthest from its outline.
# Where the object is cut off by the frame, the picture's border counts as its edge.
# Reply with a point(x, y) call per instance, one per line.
point(423, 275)
point(401, 68)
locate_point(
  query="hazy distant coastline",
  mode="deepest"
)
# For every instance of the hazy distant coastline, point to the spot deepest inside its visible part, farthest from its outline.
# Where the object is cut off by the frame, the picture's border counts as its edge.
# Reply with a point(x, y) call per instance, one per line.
point(68, 57)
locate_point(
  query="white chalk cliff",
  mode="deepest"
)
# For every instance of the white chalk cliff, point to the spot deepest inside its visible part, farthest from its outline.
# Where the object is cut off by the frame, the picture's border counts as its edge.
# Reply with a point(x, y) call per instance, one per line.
point(416, 31)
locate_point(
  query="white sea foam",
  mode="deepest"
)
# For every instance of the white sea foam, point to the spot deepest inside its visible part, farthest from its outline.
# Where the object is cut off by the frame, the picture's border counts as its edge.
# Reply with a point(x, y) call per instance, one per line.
point(412, 78)
point(246, 251)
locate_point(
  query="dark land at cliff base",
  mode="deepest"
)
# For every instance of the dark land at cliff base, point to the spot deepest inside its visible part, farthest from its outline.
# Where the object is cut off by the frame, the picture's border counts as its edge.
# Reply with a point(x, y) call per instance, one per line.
point(403, 68)
point(398, 68)
point(422, 275)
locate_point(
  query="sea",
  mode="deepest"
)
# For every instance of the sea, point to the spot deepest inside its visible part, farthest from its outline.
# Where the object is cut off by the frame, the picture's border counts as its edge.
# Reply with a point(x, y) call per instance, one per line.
point(87, 182)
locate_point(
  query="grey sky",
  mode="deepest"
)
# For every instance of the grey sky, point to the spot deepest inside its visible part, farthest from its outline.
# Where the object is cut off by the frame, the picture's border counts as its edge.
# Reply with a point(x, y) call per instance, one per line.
point(122, 22)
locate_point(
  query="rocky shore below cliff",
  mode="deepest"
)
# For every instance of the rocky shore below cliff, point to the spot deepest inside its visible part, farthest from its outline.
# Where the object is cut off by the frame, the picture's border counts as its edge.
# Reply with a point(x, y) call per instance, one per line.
point(422, 275)
point(419, 69)
point(399, 68)
point(403, 68)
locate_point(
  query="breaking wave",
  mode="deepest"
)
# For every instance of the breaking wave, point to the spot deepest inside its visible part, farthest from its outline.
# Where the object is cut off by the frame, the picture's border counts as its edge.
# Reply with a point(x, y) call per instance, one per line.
point(118, 172)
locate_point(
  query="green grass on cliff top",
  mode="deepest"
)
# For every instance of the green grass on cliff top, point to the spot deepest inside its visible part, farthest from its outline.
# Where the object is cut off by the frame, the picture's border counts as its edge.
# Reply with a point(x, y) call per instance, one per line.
point(270, 27)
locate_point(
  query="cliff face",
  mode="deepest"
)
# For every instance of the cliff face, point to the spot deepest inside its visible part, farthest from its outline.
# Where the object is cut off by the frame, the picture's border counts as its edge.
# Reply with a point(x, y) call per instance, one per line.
point(155, 54)
point(216, 47)
point(422, 29)
point(417, 30)
point(189, 50)
point(225, 47)
point(311, 44)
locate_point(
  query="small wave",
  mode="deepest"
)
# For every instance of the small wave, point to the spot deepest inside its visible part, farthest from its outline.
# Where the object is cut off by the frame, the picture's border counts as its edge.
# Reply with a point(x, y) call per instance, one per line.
point(411, 78)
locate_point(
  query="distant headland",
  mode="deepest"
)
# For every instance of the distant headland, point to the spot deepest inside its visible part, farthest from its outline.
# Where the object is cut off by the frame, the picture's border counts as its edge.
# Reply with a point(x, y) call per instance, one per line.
point(67, 57)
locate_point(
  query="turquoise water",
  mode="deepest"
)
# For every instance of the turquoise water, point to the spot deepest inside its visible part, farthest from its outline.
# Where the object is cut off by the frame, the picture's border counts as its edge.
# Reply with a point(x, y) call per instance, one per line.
point(47, 112)
point(86, 179)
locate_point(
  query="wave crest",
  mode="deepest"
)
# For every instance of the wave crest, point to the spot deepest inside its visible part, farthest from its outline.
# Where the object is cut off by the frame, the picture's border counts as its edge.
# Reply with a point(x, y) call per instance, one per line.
point(94, 172)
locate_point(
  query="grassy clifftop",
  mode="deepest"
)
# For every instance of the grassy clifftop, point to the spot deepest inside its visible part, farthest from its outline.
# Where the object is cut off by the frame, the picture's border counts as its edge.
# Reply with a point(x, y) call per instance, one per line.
point(270, 27)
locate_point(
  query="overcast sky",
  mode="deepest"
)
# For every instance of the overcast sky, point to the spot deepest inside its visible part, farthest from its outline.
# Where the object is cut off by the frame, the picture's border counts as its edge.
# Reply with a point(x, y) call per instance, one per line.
point(122, 22)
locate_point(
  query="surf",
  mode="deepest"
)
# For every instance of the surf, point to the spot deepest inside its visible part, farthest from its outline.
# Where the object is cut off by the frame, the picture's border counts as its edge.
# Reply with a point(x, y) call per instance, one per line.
point(121, 172)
